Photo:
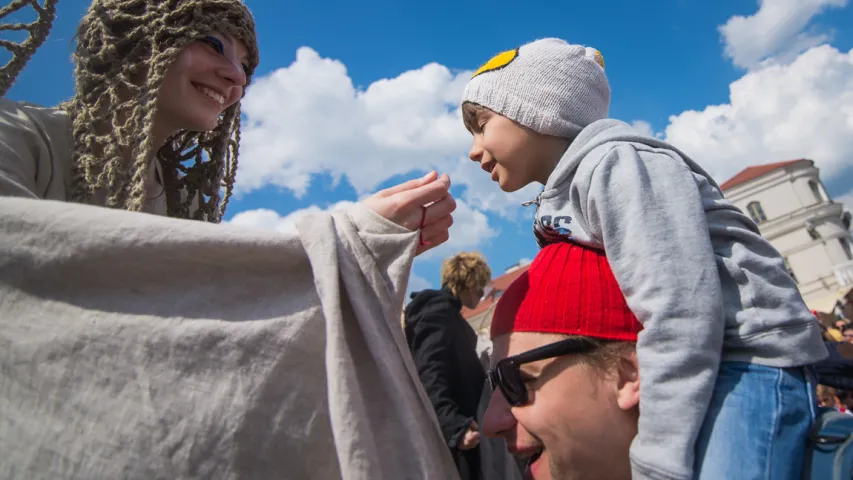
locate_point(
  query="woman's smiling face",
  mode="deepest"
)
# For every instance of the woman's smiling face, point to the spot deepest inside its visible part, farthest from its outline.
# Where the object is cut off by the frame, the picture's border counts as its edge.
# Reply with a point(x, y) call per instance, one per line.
point(205, 79)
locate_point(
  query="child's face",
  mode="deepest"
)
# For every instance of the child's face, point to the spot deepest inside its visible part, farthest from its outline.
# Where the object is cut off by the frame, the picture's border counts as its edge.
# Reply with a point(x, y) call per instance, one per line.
point(512, 154)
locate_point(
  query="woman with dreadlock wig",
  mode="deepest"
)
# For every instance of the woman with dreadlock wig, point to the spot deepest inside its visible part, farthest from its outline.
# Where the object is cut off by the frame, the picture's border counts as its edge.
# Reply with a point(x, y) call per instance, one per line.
point(140, 346)
point(155, 120)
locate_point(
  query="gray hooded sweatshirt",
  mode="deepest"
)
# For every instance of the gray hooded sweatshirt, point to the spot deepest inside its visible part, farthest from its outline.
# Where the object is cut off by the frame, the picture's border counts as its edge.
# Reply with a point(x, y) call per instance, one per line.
point(695, 270)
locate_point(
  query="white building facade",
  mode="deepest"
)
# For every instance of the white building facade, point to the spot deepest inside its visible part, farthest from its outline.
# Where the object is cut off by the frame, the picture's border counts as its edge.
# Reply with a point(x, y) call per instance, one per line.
point(788, 202)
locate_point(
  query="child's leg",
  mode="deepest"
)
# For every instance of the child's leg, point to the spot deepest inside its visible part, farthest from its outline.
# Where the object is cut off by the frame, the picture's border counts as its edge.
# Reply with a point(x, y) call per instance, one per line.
point(757, 424)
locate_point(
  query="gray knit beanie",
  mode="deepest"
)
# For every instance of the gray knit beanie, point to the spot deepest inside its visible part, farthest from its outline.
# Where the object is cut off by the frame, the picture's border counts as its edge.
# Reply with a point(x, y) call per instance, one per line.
point(549, 86)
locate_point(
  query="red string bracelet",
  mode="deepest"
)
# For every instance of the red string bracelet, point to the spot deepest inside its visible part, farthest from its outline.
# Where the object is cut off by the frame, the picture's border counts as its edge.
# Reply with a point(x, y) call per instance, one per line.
point(421, 230)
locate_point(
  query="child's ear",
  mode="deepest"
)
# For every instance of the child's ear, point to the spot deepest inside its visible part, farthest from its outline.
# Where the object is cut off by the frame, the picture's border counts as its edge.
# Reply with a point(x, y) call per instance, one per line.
point(628, 388)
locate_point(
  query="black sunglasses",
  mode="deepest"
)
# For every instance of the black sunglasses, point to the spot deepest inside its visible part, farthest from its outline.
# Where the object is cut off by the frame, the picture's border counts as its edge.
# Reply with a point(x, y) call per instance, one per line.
point(507, 373)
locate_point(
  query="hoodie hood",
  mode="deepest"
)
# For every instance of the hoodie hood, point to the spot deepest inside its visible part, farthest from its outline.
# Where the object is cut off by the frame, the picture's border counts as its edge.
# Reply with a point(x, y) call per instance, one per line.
point(599, 134)
point(560, 207)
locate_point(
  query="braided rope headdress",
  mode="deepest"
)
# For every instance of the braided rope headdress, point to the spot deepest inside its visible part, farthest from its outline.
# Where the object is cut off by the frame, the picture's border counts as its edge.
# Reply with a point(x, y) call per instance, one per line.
point(124, 48)
point(37, 31)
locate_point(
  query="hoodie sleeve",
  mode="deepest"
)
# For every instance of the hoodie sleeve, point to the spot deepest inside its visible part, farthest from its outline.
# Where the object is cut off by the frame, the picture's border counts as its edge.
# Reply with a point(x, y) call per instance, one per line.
point(646, 210)
point(432, 348)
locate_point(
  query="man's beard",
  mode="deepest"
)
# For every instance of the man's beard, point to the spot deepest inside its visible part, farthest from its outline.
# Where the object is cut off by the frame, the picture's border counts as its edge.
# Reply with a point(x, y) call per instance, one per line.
point(562, 471)
point(557, 471)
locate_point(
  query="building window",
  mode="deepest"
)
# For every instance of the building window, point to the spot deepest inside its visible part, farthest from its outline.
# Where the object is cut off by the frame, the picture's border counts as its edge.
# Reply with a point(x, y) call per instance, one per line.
point(756, 212)
point(816, 190)
point(791, 271)
point(845, 245)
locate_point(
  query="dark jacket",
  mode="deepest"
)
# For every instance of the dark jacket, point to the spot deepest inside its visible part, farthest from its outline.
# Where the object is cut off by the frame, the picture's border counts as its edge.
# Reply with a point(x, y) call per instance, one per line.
point(444, 349)
point(835, 371)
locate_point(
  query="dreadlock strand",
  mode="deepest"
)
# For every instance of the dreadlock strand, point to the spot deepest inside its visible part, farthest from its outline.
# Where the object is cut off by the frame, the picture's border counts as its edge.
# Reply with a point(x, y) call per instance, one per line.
point(22, 52)
point(13, 6)
point(143, 150)
point(232, 165)
point(217, 164)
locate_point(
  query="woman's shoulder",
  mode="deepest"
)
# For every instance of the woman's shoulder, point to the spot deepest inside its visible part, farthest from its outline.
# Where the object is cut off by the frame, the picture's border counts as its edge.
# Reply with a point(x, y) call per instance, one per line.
point(31, 116)
point(35, 150)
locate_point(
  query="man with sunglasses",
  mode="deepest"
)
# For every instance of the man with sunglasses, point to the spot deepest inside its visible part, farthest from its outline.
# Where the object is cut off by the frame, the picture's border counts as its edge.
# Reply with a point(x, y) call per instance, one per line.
point(565, 365)
point(564, 370)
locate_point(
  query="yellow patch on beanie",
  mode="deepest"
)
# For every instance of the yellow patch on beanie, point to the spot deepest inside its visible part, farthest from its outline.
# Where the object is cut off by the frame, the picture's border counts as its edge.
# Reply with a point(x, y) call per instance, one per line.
point(497, 62)
point(599, 58)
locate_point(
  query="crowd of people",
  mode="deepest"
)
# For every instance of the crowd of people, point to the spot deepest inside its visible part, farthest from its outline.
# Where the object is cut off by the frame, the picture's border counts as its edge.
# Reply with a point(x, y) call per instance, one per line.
point(656, 335)
point(835, 390)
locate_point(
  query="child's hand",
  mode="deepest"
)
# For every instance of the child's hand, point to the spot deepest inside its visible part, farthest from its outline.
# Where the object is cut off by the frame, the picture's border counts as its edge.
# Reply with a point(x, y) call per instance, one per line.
point(424, 203)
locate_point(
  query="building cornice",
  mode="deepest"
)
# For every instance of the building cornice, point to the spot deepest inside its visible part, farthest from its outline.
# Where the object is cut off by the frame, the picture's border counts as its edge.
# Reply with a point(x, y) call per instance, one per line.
point(796, 220)
point(770, 180)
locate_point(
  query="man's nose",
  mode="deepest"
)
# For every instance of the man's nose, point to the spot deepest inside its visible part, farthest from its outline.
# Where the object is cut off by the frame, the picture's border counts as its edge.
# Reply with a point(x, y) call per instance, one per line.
point(498, 417)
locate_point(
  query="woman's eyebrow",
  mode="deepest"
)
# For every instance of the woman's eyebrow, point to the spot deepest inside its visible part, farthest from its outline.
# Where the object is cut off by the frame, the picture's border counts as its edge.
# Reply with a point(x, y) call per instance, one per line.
point(232, 42)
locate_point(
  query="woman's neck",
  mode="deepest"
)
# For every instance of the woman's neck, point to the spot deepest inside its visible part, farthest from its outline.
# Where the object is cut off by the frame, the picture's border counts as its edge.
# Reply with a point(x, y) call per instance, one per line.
point(159, 135)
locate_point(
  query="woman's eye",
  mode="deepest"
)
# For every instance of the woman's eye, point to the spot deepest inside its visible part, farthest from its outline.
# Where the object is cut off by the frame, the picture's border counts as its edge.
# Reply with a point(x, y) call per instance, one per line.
point(215, 43)
point(246, 69)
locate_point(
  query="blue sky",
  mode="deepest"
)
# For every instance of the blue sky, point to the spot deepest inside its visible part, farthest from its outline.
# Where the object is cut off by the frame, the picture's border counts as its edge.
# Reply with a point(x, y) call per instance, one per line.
point(355, 96)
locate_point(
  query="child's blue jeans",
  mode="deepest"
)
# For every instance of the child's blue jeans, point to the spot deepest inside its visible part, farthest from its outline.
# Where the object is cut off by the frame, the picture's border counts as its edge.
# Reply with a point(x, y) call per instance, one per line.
point(757, 423)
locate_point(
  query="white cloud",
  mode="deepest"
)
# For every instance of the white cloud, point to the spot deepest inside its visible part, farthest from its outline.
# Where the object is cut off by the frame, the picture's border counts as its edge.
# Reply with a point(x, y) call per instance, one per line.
point(776, 31)
point(470, 231)
point(780, 112)
point(643, 127)
point(271, 220)
point(470, 228)
point(308, 118)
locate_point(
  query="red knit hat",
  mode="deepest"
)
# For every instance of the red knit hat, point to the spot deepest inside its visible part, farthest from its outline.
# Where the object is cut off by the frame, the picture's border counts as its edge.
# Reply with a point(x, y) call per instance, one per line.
point(568, 289)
